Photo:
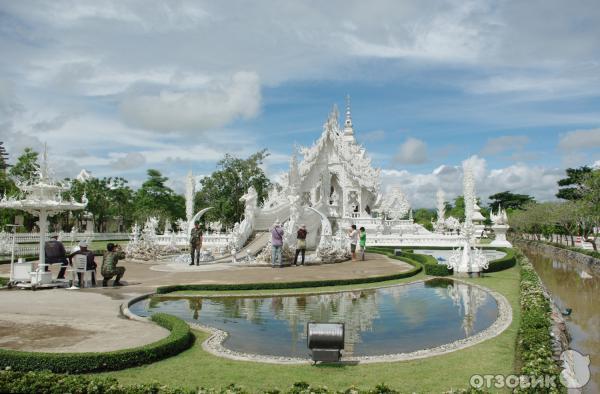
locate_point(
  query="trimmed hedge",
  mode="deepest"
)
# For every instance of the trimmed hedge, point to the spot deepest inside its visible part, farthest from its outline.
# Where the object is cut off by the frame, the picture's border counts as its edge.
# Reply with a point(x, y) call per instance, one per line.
point(432, 267)
point(180, 339)
point(534, 343)
point(502, 263)
point(298, 285)
point(49, 383)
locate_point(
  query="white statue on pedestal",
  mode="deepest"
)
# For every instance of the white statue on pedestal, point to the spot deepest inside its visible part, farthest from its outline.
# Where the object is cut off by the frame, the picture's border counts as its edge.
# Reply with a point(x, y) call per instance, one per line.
point(500, 227)
point(439, 224)
point(467, 258)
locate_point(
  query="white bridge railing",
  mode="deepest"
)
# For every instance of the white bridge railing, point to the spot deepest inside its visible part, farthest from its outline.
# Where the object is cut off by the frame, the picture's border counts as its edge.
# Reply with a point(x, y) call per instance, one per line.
point(24, 238)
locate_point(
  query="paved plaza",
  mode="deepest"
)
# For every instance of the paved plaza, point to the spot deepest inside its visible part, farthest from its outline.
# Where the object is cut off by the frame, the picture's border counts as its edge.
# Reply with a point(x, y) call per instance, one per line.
point(84, 320)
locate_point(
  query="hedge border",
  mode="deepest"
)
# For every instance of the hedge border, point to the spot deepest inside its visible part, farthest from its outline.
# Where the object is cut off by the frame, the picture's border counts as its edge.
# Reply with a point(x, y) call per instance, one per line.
point(417, 267)
point(534, 341)
point(180, 339)
point(432, 267)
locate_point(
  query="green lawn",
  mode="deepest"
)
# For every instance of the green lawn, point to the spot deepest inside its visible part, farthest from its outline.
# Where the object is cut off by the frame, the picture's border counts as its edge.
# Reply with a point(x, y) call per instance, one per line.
point(195, 367)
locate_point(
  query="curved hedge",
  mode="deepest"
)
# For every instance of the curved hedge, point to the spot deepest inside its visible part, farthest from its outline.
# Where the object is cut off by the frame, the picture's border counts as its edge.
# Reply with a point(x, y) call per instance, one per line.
point(502, 263)
point(180, 339)
point(432, 267)
point(298, 285)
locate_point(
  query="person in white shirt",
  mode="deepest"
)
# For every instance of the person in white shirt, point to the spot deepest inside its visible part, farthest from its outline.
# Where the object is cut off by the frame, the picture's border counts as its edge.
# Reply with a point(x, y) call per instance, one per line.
point(353, 234)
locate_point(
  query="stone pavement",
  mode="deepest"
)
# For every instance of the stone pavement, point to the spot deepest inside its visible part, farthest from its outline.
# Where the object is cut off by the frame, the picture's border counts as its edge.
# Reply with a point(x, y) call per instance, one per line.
point(84, 320)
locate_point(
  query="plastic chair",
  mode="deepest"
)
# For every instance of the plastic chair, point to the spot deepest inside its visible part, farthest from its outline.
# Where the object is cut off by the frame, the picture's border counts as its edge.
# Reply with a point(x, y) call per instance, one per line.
point(80, 267)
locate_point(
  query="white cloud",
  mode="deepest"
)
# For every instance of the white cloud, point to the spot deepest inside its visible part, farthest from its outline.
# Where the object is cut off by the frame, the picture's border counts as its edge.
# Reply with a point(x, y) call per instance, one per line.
point(412, 151)
point(580, 139)
point(420, 188)
point(129, 161)
point(505, 143)
point(194, 111)
point(372, 136)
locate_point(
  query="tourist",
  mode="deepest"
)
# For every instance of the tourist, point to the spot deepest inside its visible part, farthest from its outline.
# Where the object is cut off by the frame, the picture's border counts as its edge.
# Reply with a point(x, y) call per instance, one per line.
point(300, 243)
point(55, 253)
point(353, 234)
point(195, 243)
point(109, 265)
point(363, 243)
point(276, 244)
point(90, 265)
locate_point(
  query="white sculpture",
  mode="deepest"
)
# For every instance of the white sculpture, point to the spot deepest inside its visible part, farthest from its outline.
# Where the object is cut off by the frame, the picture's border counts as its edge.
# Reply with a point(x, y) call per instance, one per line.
point(439, 224)
point(190, 192)
point(42, 197)
point(500, 227)
point(467, 258)
point(395, 204)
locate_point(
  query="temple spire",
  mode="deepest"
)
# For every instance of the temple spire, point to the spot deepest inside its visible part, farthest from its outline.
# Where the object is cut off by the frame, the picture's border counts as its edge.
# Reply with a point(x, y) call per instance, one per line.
point(348, 129)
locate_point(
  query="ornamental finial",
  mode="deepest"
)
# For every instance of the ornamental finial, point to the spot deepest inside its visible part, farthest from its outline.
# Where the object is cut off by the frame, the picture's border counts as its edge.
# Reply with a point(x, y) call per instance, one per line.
point(348, 129)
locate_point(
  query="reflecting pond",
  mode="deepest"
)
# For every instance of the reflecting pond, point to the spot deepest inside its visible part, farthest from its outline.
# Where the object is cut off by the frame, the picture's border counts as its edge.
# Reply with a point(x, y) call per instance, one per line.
point(572, 288)
point(389, 320)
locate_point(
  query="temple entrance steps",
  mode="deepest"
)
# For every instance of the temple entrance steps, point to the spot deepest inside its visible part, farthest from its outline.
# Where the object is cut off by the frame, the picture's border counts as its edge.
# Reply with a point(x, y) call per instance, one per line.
point(265, 218)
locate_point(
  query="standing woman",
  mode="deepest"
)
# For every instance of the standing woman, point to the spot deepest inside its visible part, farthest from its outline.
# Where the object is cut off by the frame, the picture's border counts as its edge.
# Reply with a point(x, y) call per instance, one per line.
point(353, 234)
point(300, 244)
point(363, 242)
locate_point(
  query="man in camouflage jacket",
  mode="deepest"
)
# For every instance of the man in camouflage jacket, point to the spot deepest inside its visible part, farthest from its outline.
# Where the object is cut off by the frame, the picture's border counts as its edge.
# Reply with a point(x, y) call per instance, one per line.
point(195, 243)
point(109, 265)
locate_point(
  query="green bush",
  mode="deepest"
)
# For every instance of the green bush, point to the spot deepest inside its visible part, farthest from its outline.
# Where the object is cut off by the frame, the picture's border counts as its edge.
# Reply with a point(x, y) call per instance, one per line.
point(506, 262)
point(297, 285)
point(178, 340)
point(534, 340)
point(50, 383)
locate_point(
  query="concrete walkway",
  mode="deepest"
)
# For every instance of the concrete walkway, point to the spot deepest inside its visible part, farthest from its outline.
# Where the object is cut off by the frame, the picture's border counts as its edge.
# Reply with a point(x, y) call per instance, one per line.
point(89, 319)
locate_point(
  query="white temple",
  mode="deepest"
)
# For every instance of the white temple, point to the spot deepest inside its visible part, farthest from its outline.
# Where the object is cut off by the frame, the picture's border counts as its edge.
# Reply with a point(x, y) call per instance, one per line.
point(336, 178)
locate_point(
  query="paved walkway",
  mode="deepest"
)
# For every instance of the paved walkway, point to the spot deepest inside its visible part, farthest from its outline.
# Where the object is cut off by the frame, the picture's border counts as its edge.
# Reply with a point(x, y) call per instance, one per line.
point(89, 320)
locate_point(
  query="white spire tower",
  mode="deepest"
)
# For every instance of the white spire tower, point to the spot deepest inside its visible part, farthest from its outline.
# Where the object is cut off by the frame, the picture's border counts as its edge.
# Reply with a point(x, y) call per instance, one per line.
point(348, 128)
point(190, 191)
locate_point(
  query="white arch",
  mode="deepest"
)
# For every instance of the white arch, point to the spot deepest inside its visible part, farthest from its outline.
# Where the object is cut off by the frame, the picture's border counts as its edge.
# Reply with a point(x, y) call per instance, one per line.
point(196, 218)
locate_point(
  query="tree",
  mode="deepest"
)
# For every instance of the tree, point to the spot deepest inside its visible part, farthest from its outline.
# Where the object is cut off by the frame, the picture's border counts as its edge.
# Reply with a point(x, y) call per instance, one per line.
point(458, 210)
point(107, 198)
point(424, 216)
point(571, 186)
point(26, 167)
point(508, 200)
point(155, 198)
point(224, 187)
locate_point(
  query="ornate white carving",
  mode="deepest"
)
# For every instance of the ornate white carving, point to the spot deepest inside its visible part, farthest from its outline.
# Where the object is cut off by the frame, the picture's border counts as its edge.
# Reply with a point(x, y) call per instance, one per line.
point(395, 205)
point(439, 224)
point(190, 192)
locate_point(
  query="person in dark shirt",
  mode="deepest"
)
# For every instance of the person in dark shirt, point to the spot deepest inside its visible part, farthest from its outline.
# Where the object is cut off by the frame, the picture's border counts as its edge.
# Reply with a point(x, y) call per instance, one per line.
point(55, 253)
point(300, 243)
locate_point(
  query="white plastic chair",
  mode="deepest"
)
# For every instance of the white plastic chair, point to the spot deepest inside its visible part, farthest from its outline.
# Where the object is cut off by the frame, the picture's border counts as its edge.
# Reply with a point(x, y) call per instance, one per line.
point(80, 267)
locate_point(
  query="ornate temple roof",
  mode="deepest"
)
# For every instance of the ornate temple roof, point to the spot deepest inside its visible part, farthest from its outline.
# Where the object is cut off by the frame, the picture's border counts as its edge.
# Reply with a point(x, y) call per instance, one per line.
point(353, 157)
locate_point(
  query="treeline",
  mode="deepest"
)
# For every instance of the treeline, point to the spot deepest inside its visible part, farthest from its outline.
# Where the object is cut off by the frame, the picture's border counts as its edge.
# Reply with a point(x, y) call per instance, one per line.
point(577, 215)
point(114, 206)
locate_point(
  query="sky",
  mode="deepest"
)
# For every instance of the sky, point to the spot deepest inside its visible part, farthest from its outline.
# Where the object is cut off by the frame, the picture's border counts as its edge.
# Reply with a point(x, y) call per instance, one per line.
point(118, 87)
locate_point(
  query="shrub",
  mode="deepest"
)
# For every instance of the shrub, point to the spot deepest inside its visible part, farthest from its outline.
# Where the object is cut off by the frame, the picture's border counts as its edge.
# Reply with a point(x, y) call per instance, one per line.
point(178, 340)
point(534, 341)
point(506, 262)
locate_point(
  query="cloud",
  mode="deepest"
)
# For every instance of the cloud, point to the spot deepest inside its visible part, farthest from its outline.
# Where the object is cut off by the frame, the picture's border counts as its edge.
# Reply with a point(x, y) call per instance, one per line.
point(195, 111)
point(412, 151)
point(505, 143)
point(130, 161)
point(372, 136)
point(580, 139)
point(420, 188)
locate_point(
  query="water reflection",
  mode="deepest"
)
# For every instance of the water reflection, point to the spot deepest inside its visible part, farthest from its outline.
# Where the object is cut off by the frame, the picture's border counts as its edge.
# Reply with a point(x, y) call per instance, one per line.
point(574, 286)
point(380, 321)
